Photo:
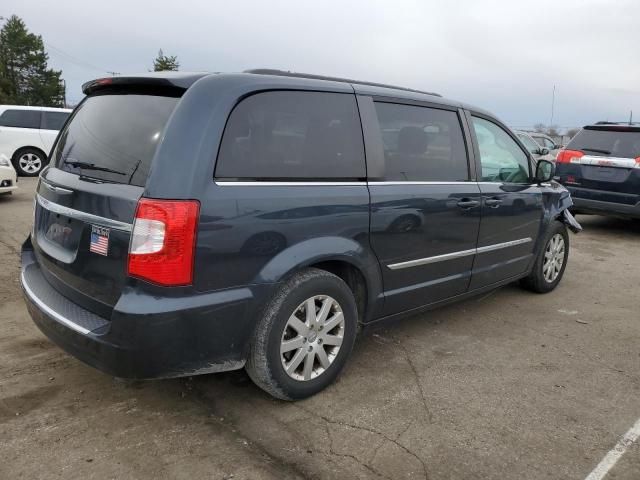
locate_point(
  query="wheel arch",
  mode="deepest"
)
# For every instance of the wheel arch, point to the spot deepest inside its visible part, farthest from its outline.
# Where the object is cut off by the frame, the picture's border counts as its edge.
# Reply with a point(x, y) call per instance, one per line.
point(346, 258)
point(28, 147)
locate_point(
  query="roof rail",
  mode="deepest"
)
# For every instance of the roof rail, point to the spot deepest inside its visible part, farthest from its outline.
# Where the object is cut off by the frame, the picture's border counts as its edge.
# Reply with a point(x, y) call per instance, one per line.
point(606, 122)
point(283, 73)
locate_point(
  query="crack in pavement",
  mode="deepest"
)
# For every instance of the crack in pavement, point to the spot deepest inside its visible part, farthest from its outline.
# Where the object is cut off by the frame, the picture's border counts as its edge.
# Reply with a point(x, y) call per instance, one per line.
point(9, 246)
point(370, 430)
point(202, 399)
point(416, 377)
point(353, 457)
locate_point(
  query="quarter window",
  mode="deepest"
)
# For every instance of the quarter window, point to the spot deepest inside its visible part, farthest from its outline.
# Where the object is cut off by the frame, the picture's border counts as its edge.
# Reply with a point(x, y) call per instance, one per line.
point(285, 135)
point(20, 118)
point(422, 144)
point(501, 158)
point(53, 120)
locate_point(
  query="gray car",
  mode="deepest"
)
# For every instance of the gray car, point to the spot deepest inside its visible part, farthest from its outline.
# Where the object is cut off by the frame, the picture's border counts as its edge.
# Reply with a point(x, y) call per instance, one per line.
point(537, 151)
point(546, 141)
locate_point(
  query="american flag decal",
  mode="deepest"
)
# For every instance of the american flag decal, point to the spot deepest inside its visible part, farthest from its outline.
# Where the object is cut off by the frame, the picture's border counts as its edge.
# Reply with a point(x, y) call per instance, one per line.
point(99, 240)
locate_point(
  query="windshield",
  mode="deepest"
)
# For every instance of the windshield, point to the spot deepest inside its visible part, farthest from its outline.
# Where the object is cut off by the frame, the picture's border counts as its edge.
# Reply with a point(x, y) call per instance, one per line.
point(113, 138)
point(608, 143)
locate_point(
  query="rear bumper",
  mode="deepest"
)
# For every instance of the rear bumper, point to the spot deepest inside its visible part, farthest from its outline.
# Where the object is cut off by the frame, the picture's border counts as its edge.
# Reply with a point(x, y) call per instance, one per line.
point(585, 205)
point(146, 337)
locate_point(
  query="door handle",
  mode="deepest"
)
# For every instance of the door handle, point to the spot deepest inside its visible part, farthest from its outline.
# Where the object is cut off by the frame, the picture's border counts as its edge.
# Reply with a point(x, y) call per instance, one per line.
point(467, 203)
point(492, 202)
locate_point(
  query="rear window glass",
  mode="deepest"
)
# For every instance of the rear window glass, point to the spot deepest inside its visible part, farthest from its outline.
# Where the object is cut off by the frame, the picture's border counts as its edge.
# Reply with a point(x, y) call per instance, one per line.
point(607, 143)
point(293, 135)
point(20, 118)
point(53, 120)
point(114, 137)
point(422, 144)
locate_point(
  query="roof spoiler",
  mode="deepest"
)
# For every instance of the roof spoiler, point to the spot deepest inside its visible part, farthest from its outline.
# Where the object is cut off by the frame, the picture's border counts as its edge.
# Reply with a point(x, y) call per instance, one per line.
point(174, 84)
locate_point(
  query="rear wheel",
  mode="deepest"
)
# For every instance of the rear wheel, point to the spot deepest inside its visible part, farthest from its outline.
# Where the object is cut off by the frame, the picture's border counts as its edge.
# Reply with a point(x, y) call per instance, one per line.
point(305, 336)
point(29, 162)
point(551, 261)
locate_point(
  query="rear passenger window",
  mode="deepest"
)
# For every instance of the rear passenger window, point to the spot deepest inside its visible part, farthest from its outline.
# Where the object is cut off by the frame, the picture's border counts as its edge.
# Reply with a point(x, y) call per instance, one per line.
point(53, 120)
point(20, 118)
point(287, 135)
point(422, 144)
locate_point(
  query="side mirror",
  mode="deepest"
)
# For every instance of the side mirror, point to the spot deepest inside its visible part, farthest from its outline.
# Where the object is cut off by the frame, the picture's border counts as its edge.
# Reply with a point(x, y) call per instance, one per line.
point(545, 171)
point(543, 151)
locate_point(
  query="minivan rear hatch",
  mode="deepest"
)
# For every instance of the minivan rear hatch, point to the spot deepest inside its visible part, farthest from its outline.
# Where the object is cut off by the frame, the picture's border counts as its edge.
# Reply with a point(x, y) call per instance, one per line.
point(604, 158)
point(86, 201)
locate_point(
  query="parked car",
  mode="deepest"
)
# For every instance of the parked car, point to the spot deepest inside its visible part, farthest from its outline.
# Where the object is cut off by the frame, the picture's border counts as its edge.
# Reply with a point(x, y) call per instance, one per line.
point(8, 177)
point(537, 150)
point(601, 168)
point(27, 135)
point(547, 142)
point(130, 266)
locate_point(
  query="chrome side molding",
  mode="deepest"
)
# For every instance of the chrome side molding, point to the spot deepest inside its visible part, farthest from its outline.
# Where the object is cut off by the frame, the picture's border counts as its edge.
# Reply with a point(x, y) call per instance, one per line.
point(460, 254)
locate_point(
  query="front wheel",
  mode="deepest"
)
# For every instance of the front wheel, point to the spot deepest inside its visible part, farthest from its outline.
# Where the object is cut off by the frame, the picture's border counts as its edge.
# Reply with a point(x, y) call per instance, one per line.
point(551, 261)
point(304, 337)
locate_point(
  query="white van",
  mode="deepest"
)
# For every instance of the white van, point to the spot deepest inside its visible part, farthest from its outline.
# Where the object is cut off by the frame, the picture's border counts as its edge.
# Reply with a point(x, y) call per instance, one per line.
point(27, 134)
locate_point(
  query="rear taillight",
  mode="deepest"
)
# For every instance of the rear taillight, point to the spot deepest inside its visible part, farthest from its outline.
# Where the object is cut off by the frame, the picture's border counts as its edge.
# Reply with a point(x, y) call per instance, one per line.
point(638, 162)
point(163, 241)
point(569, 156)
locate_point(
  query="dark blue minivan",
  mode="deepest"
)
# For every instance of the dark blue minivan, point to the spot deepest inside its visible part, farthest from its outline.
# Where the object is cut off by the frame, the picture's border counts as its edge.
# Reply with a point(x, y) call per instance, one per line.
point(196, 223)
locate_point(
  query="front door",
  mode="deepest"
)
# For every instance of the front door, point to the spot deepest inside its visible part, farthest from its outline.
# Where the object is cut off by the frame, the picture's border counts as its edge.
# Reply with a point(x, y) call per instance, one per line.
point(425, 213)
point(512, 206)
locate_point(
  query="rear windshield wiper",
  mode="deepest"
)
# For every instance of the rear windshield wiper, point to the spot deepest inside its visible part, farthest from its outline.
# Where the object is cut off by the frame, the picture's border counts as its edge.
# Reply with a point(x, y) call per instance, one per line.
point(597, 150)
point(92, 166)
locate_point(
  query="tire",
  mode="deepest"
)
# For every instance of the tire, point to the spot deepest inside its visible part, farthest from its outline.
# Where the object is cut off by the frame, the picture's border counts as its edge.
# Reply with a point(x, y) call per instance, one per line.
point(266, 363)
point(541, 279)
point(29, 162)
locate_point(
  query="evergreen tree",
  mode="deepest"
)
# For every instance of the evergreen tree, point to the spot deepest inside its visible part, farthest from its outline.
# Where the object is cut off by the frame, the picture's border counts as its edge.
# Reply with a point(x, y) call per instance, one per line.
point(25, 78)
point(164, 62)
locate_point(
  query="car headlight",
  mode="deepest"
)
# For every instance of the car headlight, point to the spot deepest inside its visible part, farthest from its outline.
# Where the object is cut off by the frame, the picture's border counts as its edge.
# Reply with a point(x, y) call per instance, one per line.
point(4, 161)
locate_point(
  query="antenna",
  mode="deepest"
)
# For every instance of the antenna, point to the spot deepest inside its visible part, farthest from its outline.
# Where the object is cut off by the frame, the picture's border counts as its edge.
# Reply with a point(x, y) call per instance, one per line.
point(553, 101)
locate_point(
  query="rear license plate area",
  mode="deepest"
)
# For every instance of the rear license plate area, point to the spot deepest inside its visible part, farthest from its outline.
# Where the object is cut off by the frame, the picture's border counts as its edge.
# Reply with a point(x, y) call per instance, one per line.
point(59, 236)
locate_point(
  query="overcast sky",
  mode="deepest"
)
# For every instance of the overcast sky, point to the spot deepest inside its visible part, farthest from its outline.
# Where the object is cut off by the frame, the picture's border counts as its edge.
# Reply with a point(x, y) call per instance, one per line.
point(501, 55)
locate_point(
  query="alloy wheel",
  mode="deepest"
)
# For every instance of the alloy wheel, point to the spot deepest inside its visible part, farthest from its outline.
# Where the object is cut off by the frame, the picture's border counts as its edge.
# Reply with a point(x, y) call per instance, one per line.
point(553, 258)
point(312, 338)
point(30, 163)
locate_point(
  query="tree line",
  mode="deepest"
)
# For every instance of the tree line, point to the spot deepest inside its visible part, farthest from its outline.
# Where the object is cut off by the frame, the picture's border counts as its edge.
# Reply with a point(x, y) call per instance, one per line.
point(25, 76)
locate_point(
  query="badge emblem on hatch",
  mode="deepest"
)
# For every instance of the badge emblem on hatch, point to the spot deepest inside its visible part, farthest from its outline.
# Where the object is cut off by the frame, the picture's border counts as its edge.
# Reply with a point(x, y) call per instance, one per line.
point(99, 240)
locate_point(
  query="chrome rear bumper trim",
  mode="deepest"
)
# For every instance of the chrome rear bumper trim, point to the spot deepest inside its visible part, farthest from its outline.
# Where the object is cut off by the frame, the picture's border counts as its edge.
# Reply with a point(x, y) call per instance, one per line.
point(82, 216)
